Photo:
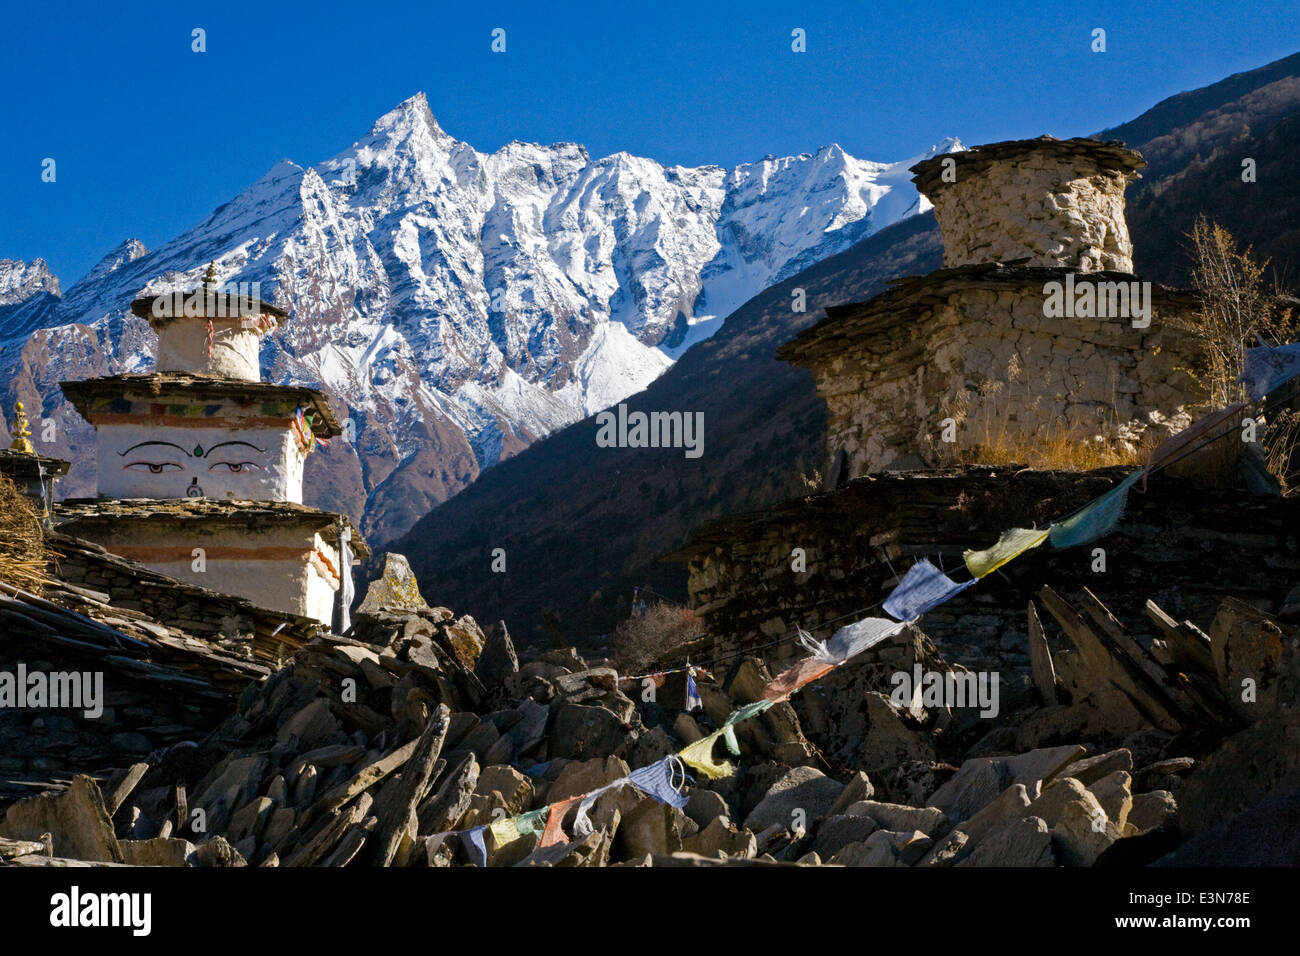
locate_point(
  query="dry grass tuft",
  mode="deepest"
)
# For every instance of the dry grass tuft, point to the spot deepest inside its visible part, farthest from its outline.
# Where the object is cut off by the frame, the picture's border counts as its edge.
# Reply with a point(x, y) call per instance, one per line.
point(24, 558)
point(812, 482)
point(1059, 452)
point(991, 434)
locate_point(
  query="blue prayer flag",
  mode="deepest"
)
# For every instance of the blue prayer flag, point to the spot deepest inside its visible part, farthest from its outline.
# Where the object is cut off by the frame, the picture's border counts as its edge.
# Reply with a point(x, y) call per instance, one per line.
point(475, 846)
point(923, 588)
point(693, 701)
point(1095, 519)
point(1267, 368)
point(656, 780)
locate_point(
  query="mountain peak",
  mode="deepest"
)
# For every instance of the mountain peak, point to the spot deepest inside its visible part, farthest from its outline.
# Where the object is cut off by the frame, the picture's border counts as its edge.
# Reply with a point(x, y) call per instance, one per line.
point(283, 168)
point(20, 281)
point(123, 254)
point(412, 113)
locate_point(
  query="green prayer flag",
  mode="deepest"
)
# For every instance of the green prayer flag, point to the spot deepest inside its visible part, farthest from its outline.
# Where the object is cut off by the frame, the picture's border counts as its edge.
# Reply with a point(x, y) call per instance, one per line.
point(1096, 518)
point(749, 710)
point(533, 821)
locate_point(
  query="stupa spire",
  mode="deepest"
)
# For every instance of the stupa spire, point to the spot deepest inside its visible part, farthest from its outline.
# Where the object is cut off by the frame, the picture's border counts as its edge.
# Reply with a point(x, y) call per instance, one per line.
point(22, 432)
point(210, 331)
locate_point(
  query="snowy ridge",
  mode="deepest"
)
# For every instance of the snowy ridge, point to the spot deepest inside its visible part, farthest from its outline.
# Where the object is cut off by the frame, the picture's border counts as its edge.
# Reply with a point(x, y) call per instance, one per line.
point(493, 296)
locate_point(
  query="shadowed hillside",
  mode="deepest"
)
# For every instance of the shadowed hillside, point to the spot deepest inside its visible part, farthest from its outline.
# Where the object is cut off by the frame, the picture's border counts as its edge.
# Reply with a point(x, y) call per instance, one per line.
point(1194, 124)
point(1264, 214)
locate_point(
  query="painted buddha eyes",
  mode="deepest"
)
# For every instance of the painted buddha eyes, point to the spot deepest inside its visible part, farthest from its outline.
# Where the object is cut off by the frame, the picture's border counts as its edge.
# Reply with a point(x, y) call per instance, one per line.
point(159, 467)
point(234, 467)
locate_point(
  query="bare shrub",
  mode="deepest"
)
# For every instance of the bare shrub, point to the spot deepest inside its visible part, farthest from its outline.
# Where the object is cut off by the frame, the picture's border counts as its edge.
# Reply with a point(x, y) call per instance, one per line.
point(1238, 310)
point(647, 638)
point(1282, 448)
point(1237, 305)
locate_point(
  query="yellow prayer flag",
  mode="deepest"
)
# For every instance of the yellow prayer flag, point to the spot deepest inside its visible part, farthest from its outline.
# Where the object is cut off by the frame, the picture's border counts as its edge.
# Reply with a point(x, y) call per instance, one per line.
point(1012, 544)
point(699, 755)
point(504, 831)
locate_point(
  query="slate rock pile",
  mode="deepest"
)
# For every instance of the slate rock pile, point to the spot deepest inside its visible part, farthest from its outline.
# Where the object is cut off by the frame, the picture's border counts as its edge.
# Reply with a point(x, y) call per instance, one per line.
point(384, 748)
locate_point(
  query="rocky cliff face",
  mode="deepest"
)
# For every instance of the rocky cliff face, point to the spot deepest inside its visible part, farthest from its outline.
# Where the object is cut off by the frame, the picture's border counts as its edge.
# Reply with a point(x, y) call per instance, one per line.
point(460, 304)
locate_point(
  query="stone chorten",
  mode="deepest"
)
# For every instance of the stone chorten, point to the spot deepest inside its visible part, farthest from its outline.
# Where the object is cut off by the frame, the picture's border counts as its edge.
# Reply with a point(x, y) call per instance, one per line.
point(985, 342)
point(200, 463)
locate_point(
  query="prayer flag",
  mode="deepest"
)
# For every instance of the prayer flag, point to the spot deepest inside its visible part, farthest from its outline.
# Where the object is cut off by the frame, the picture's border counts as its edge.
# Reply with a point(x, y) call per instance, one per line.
point(348, 591)
point(923, 588)
point(853, 639)
point(474, 846)
point(693, 701)
point(503, 832)
point(1011, 545)
point(791, 679)
point(1095, 519)
point(581, 822)
point(532, 821)
point(817, 649)
point(699, 755)
point(657, 781)
point(554, 832)
point(749, 710)
point(1267, 368)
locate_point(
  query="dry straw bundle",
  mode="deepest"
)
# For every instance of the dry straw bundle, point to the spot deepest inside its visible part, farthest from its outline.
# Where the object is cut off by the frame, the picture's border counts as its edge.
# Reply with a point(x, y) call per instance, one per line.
point(24, 557)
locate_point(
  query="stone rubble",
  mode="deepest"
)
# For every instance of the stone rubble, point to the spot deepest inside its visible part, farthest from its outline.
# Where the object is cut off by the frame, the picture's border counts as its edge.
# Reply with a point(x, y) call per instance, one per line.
point(375, 750)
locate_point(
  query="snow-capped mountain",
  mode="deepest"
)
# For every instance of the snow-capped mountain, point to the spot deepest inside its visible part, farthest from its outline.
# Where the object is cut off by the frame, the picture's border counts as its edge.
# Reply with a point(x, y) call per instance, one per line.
point(20, 281)
point(28, 293)
point(461, 304)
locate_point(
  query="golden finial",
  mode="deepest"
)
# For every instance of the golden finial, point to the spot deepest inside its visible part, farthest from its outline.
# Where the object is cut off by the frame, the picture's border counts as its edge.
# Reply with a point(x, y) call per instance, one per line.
point(22, 432)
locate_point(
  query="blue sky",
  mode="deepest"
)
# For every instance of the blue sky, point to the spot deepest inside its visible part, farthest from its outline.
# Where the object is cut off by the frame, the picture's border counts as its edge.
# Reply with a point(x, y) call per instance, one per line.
point(149, 136)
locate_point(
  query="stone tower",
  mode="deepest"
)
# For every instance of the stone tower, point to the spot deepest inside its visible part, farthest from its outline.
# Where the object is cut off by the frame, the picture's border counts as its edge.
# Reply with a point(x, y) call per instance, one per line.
point(1035, 330)
point(200, 463)
point(1041, 202)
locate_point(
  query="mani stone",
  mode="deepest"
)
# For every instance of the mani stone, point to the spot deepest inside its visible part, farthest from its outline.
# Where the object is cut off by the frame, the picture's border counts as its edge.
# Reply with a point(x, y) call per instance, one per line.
point(396, 589)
